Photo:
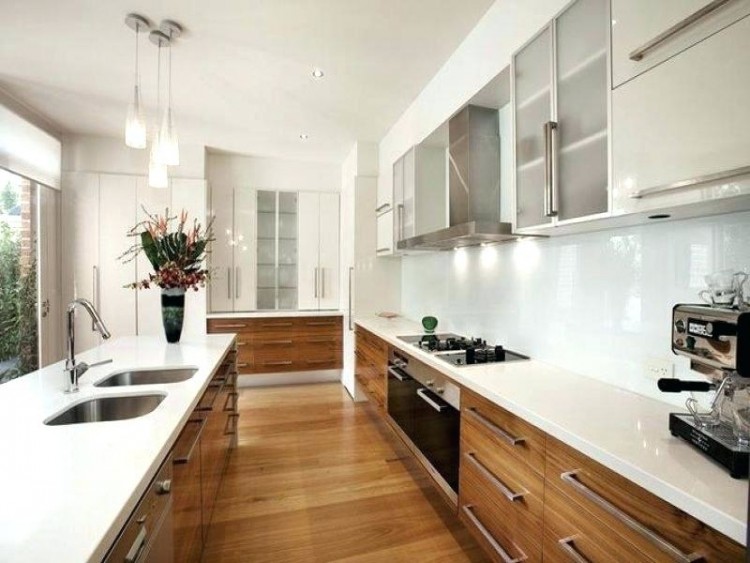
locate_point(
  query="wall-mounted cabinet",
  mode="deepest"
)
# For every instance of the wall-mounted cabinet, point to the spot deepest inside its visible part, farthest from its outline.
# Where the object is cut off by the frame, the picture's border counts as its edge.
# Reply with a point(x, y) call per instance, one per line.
point(680, 130)
point(318, 250)
point(560, 96)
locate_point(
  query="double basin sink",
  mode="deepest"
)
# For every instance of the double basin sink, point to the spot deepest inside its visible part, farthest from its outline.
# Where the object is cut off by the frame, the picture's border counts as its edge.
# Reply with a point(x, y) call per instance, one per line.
point(123, 407)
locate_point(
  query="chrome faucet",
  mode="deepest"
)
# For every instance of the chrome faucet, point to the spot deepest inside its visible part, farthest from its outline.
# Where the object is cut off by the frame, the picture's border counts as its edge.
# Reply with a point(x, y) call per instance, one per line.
point(73, 369)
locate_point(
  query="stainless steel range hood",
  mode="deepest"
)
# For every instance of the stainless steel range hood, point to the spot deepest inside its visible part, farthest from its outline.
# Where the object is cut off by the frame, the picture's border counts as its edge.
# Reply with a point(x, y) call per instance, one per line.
point(473, 185)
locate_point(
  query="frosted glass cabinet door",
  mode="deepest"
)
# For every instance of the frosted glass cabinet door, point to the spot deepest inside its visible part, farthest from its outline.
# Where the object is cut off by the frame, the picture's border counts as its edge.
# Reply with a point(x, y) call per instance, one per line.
point(266, 272)
point(532, 80)
point(409, 190)
point(582, 117)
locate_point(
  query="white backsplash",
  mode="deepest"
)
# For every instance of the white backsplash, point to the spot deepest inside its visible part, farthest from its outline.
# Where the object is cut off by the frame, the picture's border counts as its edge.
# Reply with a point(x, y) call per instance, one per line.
point(599, 304)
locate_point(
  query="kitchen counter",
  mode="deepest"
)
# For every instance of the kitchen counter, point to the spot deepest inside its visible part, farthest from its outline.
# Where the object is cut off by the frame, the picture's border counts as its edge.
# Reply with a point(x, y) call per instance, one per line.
point(622, 430)
point(272, 314)
point(67, 490)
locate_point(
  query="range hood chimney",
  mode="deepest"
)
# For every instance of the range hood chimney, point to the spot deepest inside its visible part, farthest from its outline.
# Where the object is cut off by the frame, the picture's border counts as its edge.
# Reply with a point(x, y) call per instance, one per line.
point(473, 185)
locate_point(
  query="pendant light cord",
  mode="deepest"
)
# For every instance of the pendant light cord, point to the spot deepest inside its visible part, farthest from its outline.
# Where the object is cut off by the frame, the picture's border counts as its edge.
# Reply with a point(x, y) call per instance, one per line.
point(169, 88)
point(158, 83)
point(137, 32)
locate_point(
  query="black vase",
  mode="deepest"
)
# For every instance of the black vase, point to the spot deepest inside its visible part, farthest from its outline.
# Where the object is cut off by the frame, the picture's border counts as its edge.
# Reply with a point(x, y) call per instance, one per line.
point(172, 312)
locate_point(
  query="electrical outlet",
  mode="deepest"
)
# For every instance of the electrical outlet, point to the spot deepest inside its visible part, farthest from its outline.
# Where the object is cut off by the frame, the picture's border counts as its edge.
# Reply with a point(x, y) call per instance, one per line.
point(658, 368)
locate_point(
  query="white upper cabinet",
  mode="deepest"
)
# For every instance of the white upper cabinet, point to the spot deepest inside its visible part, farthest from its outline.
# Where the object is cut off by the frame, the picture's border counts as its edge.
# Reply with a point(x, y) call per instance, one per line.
point(243, 280)
point(221, 287)
point(318, 220)
point(646, 33)
point(560, 94)
point(681, 133)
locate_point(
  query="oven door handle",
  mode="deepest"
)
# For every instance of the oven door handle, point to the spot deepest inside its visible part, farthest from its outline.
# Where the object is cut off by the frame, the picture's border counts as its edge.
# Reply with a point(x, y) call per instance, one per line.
point(429, 401)
point(397, 375)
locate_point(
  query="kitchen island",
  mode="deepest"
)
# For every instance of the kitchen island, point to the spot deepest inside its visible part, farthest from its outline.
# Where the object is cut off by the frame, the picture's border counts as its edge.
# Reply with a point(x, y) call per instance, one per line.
point(67, 490)
point(625, 432)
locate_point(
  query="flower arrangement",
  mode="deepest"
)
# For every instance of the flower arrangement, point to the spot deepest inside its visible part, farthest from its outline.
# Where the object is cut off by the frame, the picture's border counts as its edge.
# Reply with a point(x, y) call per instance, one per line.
point(175, 251)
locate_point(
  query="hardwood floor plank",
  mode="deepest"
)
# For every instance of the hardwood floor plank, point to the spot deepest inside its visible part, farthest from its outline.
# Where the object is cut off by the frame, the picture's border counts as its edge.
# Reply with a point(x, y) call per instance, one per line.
point(318, 478)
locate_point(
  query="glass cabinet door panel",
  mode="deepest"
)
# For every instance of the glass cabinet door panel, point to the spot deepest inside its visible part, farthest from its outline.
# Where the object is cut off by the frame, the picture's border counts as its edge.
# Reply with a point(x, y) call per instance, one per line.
point(532, 74)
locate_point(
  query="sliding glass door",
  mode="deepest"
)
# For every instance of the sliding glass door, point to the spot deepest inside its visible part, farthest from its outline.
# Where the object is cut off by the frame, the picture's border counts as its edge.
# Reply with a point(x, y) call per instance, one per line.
point(30, 317)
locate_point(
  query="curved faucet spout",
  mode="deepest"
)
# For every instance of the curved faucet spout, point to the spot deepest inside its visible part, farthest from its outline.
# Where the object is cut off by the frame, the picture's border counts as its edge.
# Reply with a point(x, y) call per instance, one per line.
point(74, 370)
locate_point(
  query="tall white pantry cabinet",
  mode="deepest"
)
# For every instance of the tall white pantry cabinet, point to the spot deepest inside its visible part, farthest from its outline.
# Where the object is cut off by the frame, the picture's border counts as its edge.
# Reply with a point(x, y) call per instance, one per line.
point(97, 212)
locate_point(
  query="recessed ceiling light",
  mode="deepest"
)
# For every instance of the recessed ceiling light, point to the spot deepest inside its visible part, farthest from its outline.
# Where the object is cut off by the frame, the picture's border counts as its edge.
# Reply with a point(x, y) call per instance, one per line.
point(304, 136)
point(318, 73)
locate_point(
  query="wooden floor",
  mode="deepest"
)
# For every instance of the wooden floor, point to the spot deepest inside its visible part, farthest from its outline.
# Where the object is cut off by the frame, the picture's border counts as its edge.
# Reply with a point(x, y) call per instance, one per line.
point(317, 478)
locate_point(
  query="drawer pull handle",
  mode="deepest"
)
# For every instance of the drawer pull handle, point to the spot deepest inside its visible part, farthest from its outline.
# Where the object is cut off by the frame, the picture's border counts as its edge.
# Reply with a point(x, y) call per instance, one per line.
point(321, 339)
point(679, 27)
point(186, 458)
point(242, 343)
point(469, 511)
point(273, 343)
point(231, 422)
point(137, 547)
point(232, 325)
point(570, 478)
point(566, 544)
point(281, 363)
point(499, 485)
point(691, 183)
point(320, 323)
point(494, 428)
point(276, 325)
point(242, 365)
point(397, 375)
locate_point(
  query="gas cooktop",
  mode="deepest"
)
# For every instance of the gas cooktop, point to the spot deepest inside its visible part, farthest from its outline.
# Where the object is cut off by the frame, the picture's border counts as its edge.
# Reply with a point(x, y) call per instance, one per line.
point(461, 351)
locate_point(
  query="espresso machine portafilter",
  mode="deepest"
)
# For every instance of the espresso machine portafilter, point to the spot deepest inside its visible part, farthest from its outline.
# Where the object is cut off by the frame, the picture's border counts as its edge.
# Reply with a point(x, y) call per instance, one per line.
point(717, 342)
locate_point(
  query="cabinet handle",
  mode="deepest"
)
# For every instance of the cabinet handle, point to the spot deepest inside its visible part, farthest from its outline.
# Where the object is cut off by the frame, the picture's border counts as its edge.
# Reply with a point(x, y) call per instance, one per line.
point(186, 458)
point(273, 343)
point(384, 249)
point(242, 365)
point(276, 325)
point(382, 207)
point(216, 386)
point(234, 397)
point(426, 399)
point(550, 169)
point(320, 323)
point(396, 374)
point(492, 427)
point(237, 282)
point(677, 28)
point(351, 326)
point(229, 283)
point(691, 183)
point(468, 509)
point(279, 363)
point(231, 325)
point(566, 544)
point(315, 281)
point(570, 478)
point(400, 221)
point(322, 283)
point(499, 485)
point(135, 549)
point(321, 339)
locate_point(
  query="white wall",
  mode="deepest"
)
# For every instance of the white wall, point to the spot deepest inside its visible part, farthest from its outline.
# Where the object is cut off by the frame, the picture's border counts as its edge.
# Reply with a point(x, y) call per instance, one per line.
point(271, 173)
point(109, 155)
point(598, 304)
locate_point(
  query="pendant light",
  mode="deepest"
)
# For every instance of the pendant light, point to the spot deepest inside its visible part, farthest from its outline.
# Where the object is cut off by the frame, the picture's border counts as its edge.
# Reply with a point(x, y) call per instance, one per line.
point(169, 148)
point(135, 123)
point(157, 170)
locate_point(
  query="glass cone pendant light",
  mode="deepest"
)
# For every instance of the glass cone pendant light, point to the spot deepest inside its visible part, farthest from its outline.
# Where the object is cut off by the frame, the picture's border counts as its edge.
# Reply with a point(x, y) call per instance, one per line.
point(169, 148)
point(135, 123)
point(157, 170)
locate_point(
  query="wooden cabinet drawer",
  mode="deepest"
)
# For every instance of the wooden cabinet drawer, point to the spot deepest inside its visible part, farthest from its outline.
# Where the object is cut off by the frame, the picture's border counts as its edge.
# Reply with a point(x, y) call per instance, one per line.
point(647, 522)
point(320, 325)
point(511, 476)
point(314, 344)
point(571, 531)
point(229, 325)
point(507, 432)
point(507, 529)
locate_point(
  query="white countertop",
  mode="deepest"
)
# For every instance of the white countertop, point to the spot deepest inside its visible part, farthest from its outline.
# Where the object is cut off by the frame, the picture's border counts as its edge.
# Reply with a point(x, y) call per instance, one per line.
point(67, 490)
point(622, 430)
point(272, 314)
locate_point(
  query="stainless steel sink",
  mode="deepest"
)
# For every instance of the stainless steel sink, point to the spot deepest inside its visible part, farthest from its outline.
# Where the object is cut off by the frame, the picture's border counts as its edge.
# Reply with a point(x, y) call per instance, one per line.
point(152, 376)
point(102, 409)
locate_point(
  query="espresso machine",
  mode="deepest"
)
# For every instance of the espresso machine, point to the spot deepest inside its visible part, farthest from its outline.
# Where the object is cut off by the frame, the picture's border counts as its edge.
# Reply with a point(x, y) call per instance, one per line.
point(717, 341)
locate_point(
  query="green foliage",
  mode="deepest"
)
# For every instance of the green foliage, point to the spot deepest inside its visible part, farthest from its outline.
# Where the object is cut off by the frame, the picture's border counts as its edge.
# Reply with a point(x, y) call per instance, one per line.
point(8, 197)
point(10, 277)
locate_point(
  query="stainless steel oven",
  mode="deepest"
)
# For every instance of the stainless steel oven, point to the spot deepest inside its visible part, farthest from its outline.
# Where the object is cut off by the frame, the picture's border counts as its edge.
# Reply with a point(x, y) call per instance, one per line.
point(425, 404)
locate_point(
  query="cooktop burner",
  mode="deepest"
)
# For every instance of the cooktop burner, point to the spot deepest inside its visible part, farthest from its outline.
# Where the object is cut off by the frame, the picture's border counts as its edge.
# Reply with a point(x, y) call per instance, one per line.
point(461, 351)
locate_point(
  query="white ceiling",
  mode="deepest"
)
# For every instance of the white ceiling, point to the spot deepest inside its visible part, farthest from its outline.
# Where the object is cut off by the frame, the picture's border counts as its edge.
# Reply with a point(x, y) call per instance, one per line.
point(242, 72)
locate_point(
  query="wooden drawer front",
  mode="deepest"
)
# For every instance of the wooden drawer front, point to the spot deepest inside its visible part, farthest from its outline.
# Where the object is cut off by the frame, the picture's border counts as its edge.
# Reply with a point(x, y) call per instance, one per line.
point(498, 523)
point(239, 326)
point(571, 531)
point(375, 344)
point(320, 325)
point(507, 432)
point(316, 344)
point(647, 522)
point(371, 378)
point(512, 476)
